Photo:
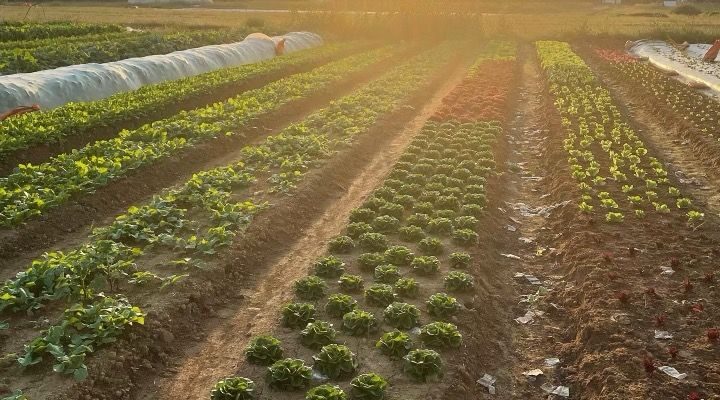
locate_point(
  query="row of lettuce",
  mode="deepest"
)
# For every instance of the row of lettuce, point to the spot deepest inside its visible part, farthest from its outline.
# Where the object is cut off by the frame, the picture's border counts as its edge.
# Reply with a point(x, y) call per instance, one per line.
point(78, 118)
point(101, 49)
point(614, 171)
point(191, 222)
point(17, 30)
point(32, 189)
point(398, 275)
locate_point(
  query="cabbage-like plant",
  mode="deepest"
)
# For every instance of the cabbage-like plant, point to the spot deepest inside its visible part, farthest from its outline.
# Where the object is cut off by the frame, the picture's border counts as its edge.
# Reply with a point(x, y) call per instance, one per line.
point(373, 241)
point(423, 365)
point(368, 261)
point(442, 306)
point(419, 219)
point(475, 198)
point(440, 226)
point(460, 260)
point(465, 237)
point(368, 387)
point(358, 322)
point(310, 288)
point(392, 209)
point(289, 374)
point(472, 209)
point(386, 224)
point(440, 335)
point(465, 222)
point(404, 200)
point(379, 295)
point(402, 315)
point(298, 315)
point(234, 388)
point(447, 203)
point(339, 305)
point(317, 334)
point(329, 267)
point(411, 234)
point(264, 350)
point(407, 287)
point(386, 193)
point(362, 215)
point(425, 265)
point(457, 281)
point(431, 246)
point(399, 255)
point(355, 229)
point(423, 207)
point(394, 344)
point(374, 203)
point(387, 273)
point(335, 361)
point(326, 392)
point(351, 283)
point(341, 245)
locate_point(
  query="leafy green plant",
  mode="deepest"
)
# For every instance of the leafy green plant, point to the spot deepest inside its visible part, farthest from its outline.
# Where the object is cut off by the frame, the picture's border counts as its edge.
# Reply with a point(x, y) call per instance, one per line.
point(339, 305)
point(440, 335)
point(373, 241)
point(423, 364)
point(335, 361)
point(310, 288)
point(264, 350)
point(351, 283)
point(402, 315)
point(355, 229)
point(460, 260)
point(393, 210)
point(449, 214)
point(440, 226)
point(425, 265)
point(365, 215)
point(298, 315)
point(368, 261)
point(465, 222)
point(683, 202)
point(289, 374)
point(387, 273)
point(317, 334)
point(465, 237)
point(368, 387)
point(394, 344)
point(234, 388)
point(385, 224)
point(412, 234)
point(326, 392)
point(359, 323)
point(329, 267)
point(341, 245)
point(399, 255)
point(431, 246)
point(407, 287)
point(442, 306)
point(457, 281)
point(474, 210)
point(379, 295)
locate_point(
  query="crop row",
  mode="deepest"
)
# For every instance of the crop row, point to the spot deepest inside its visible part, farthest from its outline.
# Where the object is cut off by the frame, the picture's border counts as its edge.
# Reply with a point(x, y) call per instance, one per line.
point(483, 93)
point(385, 281)
point(193, 220)
point(33, 43)
point(31, 189)
point(61, 54)
point(388, 275)
point(607, 158)
point(31, 30)
point(70, 119)
point(699, 110)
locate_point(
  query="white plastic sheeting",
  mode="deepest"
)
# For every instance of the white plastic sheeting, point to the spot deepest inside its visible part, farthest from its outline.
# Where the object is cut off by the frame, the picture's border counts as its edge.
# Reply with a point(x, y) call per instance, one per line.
point(88, 82)
point(688, 63)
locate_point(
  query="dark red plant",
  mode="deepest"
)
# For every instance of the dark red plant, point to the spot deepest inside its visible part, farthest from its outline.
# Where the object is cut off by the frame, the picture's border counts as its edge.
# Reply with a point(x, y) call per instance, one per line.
point(649, 364)
point(607, 256)
point(713, 334)
point(694, 396)
point(623, 297)
point(709, 277)
point(687, 286)
point(660, 320)
point(697, 308)
point(673, 351)
point(651, 292)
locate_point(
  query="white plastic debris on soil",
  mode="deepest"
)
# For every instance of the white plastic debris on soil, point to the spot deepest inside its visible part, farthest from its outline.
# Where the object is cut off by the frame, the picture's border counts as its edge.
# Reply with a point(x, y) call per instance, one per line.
point(89, 82)
point(688, 63)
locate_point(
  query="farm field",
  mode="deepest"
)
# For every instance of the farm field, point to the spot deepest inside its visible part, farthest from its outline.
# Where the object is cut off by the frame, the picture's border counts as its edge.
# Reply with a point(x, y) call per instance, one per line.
point(516, 216)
